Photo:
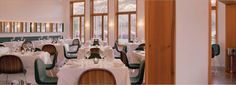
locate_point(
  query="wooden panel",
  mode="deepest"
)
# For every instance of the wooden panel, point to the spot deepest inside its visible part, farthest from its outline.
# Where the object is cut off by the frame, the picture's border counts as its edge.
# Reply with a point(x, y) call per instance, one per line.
point(0, 26)
point(160, 41)
point(21, 27)
point(230, 34)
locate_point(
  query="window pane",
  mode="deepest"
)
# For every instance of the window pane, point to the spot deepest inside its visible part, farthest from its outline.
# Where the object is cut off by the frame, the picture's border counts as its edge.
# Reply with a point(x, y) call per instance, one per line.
point(43, 28)
point(76, 26)
point(126, 5)
point(213, 24)
point(105, 28)
point(123, 29)
point(97, 27)
point(213, 2)
point(78, 8)
point(100, 6)
point(133, 27)
point(82, 30)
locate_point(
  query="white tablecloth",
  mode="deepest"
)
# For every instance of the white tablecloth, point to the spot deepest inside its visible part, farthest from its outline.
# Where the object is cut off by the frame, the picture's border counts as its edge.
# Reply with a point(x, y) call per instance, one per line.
point(130, 48)
point(107, 51)
point(70, 73)
point(137, 57)
point(4, 50)
point(28, 59)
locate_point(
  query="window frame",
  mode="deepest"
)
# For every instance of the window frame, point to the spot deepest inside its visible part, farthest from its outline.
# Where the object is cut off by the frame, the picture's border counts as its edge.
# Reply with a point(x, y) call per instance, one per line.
point(72, 16)
point(102, 15)
point(129, 13)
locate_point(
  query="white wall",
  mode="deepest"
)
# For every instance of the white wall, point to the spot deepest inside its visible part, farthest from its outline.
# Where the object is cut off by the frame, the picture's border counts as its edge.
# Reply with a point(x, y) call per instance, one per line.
point(140, 19)
point(31, 10)
point(220, 60)
point(191, 42)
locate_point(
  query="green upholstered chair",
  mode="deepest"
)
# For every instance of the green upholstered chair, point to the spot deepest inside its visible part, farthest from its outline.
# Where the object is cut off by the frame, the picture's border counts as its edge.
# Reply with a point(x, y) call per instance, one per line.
point(41, 75)
point(124, 59)
point(76, 43)
point(72, 54)
point(138, 80)
point(69, 55)
point(51, 49)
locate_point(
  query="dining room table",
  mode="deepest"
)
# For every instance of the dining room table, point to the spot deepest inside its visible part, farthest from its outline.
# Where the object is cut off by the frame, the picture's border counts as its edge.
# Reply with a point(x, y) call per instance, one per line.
point(70, 73)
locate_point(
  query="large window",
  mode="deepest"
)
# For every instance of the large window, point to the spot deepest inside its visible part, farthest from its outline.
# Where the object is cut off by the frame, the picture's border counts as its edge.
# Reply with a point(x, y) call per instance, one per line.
point(78, 20)
point(100, 19)
point(213, 22)
point(127, 21)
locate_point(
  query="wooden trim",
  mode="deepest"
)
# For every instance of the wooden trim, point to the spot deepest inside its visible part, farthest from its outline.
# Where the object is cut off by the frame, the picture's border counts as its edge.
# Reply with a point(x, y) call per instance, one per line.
point(209, 40)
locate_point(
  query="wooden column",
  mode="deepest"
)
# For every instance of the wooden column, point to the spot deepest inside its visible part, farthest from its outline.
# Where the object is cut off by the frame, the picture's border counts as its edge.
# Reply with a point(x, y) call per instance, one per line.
point(160, 41)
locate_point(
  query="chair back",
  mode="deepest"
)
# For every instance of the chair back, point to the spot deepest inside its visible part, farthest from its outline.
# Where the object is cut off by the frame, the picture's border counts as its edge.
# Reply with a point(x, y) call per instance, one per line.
point(215, 50)
point(97, 77)
point(11, 64)
point(124, 58)
point(95, 50)
point(141, 47)
point(51, 49)
point(116, 46)
point(76, 42)
point(27, 44)
point(39, 70)
point(96, 42)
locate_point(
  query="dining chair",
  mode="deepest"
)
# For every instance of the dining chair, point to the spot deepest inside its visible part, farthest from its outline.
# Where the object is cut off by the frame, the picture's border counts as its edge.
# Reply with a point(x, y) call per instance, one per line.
point(141, 47)
point(97, 77)
point(96, 42)
point(116, 47)
point(215, 52)
point(69, 55)
point(41, 76)
point(75, 43)
point(72, 54)
point(117, 51)
point(51, 49)
point(125, 60)
point(11, 64)
point(138, 80)
point(26, 45)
